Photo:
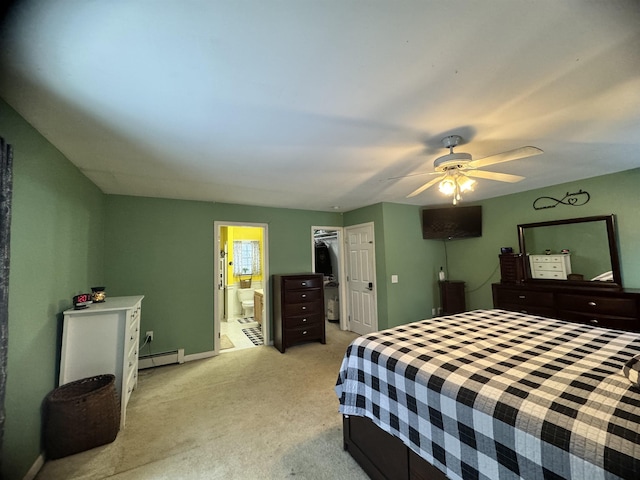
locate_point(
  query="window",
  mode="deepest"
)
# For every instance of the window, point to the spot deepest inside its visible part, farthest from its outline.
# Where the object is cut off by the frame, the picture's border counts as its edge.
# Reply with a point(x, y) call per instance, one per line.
point(246, 257)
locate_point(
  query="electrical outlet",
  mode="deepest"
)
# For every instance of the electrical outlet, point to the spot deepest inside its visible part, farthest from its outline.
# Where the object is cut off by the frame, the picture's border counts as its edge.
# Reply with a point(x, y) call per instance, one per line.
point(149, 336)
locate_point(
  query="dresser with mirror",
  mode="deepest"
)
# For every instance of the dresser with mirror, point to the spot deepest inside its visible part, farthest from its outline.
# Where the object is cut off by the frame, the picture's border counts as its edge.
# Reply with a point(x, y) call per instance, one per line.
point(587, 286)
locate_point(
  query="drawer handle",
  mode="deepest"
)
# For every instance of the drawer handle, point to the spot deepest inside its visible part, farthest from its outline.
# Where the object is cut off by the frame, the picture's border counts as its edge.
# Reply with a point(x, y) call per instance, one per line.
point(592, 304)
point(304, 308)
point(304, 284)
point(304, 295)
point(522, 296)
point(132, 338)
point(304, 333)
point(304, 319)
point(594, 321)
point(130, 364)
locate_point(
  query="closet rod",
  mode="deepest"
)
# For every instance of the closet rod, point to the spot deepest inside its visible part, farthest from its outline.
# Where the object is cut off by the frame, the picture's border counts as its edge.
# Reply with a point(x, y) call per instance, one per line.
point(325, 235)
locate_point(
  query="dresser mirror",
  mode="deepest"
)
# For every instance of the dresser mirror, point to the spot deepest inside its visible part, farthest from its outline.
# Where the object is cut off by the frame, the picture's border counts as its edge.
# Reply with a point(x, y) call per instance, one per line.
point(576, 250)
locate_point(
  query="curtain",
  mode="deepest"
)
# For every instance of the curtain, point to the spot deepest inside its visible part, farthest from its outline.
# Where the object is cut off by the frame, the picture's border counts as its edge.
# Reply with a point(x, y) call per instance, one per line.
point(255, 257)
point(6, 189)
point(246, 257)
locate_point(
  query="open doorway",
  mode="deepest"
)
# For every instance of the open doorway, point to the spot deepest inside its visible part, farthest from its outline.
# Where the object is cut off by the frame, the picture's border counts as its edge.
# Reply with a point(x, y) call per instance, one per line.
point(241, 286)
point(328, 259)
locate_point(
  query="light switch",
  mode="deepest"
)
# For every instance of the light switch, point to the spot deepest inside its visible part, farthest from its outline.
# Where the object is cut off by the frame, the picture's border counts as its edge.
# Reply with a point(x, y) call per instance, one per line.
point(394, 278)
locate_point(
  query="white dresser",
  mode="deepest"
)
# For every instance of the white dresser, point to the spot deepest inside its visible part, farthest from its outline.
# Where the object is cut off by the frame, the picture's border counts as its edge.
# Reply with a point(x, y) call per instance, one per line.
point(555, 267)
point(103, 338)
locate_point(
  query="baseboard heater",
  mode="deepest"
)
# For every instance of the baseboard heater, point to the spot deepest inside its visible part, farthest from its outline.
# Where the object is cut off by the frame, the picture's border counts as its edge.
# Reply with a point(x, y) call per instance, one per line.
point(160, 359)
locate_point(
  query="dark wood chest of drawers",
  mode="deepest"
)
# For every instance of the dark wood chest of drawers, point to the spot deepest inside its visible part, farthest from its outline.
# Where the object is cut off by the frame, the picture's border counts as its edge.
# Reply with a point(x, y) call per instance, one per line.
point(452, 297)
point(298, 309)
point(611, 308)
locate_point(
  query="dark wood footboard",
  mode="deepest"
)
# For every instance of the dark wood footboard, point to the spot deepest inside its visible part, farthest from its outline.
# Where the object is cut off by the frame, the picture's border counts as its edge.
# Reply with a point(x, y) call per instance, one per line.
point(383, 456)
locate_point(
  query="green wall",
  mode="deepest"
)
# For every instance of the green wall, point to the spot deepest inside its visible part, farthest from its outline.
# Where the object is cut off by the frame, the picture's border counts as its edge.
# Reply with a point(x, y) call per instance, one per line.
point(163, 249)
point(416, 262)
point(476, 260)
point(56, 252)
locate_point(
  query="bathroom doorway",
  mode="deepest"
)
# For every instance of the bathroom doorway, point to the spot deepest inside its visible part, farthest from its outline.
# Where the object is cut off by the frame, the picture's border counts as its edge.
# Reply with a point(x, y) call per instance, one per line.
point(241, 286)
point(328, 259)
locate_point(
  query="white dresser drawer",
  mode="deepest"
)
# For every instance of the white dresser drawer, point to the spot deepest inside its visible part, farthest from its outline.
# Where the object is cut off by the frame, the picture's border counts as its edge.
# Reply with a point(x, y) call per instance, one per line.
point(131, 363)
point(131, 383)
point(548, 267)
point(557, 275)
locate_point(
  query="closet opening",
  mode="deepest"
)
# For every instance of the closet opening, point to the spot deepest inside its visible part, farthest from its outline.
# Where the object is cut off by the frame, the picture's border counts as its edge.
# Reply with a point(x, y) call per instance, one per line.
point(328, 259)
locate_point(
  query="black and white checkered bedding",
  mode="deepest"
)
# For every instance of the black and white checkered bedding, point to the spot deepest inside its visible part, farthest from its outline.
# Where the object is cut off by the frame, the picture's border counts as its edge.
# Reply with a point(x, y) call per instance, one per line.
point(492, 394)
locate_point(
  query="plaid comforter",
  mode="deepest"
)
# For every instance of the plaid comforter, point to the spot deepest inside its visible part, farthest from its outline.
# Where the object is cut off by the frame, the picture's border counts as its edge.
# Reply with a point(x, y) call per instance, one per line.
point(492, 394)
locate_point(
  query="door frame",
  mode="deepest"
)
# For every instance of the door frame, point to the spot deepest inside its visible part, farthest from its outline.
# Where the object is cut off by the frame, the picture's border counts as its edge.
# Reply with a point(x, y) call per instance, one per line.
point(373, 267)
point(266, 287)
point(342, 272)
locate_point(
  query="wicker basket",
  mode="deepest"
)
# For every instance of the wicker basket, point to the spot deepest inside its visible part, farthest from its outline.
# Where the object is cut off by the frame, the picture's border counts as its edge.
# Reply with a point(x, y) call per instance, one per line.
point(81, 415)
point(245, 282)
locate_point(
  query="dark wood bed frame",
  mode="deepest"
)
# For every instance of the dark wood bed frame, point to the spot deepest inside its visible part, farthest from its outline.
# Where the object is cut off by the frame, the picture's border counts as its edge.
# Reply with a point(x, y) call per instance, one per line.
point(383, 456)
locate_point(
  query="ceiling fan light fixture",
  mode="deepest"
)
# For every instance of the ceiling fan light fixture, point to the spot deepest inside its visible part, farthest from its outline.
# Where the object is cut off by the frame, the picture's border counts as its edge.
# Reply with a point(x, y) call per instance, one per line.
point(448, 185)
point(465, 183)
point(454, 184)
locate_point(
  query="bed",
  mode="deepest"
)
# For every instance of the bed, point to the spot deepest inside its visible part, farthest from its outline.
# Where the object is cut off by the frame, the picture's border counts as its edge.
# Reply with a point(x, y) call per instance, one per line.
point(492, 394)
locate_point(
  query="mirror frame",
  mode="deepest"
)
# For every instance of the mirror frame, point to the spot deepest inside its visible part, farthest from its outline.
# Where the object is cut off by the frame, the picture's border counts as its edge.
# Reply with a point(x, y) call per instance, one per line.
point(613, 251)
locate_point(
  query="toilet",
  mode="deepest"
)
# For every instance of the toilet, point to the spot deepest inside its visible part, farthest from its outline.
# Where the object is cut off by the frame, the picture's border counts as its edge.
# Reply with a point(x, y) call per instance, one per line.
point(245, 296)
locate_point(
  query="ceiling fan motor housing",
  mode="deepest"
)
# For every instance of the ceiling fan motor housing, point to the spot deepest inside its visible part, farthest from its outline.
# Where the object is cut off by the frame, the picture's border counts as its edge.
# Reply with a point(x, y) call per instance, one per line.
point(452, 160)
point(452, 141)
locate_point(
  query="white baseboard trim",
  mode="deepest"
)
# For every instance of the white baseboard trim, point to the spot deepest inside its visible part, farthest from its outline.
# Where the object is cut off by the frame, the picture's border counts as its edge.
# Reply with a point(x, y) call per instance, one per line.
point(199, 356)
point(169, 358)
point(35, 468)
point(160, 359)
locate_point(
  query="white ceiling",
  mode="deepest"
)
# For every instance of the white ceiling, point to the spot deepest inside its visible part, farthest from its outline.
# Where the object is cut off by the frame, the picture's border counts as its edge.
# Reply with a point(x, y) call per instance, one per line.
point(315, 104)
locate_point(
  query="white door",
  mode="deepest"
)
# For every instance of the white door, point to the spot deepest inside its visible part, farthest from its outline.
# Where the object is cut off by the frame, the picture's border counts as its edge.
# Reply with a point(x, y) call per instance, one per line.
point(361, 277)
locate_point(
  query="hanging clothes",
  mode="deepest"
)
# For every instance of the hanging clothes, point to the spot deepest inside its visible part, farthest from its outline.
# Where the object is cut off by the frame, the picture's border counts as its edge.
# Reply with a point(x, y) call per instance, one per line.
point(323, 259)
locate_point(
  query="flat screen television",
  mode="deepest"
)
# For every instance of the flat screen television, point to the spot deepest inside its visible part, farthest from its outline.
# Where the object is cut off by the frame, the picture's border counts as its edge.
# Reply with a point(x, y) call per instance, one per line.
point(444, 223)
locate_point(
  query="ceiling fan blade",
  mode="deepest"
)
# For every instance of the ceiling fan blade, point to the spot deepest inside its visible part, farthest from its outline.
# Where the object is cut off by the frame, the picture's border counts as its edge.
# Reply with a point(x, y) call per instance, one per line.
point(521, 152)
point(500, 177)
point(414, 175)
point(425, 186)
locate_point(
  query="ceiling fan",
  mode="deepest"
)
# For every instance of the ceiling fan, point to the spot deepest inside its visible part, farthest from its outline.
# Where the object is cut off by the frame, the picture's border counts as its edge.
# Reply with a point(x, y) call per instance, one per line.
point(456, 170)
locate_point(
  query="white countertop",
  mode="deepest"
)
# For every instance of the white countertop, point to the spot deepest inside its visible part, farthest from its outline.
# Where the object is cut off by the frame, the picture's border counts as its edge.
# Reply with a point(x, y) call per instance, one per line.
point(110, 303)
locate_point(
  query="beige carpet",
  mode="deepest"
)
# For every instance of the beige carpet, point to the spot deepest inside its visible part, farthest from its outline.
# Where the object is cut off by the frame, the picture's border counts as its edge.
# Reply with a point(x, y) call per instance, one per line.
point(247, 414)
point(225, 342)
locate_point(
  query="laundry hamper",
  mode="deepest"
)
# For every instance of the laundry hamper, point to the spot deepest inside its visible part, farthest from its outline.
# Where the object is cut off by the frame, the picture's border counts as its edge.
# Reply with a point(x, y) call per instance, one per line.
point(333, 309)
point(81, 415)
